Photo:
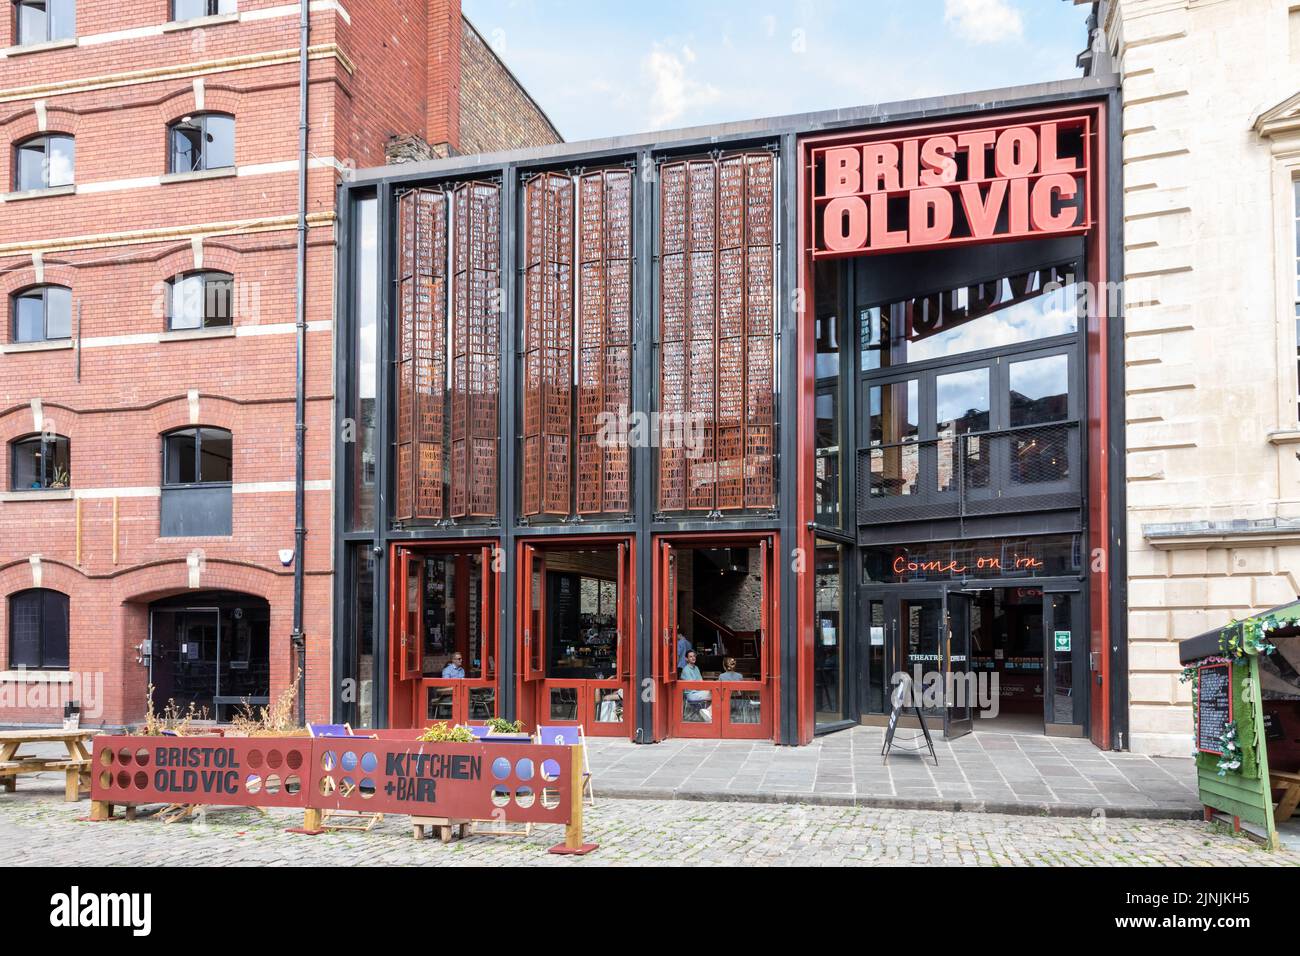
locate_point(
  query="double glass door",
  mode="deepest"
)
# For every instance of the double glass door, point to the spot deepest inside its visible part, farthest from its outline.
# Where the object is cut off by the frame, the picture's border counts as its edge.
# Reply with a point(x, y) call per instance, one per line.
point(1017, 651)
point(925, 634)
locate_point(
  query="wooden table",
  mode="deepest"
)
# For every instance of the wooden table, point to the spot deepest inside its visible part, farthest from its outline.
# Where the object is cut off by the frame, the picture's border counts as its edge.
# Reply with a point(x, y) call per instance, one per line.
point(75, 766)
point(1289, 784)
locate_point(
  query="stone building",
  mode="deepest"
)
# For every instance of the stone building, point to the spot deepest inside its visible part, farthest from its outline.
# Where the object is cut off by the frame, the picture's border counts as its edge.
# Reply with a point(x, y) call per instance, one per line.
point(1211, 160)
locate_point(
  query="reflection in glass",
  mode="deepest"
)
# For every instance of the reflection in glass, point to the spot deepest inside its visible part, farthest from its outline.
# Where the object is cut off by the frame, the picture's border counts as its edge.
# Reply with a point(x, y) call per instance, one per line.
point(1062, 663)
point(894, 421)
point(1004, 311)
point(828, 673)
point(746, 707)
point(962, 406)
point(1040, 390)
point(876, 658)
point(365, 379)
point(364, 622)
point(828, 492)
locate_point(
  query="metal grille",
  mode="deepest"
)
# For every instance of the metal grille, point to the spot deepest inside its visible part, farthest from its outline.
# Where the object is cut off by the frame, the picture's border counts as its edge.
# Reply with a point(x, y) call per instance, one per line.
point(548, 341)
point(421, 354)
point(589, 234)
point(476, 361)
point(1032, 468)
point(716, 333)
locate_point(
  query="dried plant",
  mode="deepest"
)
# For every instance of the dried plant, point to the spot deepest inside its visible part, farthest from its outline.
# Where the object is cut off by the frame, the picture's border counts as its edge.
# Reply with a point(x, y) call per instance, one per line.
point(172, 720)
point(275, 720)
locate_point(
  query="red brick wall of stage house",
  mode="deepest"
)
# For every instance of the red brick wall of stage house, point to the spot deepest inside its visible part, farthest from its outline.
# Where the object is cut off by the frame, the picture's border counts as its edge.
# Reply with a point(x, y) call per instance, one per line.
point(378, 70)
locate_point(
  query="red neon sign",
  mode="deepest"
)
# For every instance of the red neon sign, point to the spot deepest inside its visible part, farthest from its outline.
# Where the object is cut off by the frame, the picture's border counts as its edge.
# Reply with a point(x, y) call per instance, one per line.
point(904, 565)
point(980, 185)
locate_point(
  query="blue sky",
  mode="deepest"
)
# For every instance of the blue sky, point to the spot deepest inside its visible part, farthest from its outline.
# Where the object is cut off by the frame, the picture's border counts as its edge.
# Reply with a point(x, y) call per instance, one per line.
point(601, 68)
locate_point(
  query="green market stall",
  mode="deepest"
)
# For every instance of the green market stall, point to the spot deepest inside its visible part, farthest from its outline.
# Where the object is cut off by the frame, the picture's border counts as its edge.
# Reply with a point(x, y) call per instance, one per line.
point(1245, 682)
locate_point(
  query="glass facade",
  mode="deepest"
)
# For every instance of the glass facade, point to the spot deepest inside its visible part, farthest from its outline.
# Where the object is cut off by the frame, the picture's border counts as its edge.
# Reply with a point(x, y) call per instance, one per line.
point(783, 497)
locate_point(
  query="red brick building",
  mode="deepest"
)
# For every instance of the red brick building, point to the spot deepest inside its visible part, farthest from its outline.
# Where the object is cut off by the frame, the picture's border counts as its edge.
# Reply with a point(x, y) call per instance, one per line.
point(149, 187)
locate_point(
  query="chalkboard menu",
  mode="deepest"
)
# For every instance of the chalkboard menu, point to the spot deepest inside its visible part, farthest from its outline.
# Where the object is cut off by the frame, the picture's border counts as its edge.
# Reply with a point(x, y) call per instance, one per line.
point(1213, 705)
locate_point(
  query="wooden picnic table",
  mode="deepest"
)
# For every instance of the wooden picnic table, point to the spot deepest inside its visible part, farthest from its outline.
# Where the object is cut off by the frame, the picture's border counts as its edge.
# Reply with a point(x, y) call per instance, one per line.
point(75, 765)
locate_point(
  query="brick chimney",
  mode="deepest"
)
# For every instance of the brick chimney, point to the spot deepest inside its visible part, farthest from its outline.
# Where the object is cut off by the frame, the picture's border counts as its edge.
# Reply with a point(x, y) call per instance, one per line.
point(444, 34)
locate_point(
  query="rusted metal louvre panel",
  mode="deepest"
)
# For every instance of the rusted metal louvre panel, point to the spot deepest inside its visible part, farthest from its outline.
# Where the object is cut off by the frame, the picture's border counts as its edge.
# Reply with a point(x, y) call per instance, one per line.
point(604, 338)
point(731, 335)
point(760, 368)
point(421, 354)
point(701, 331)
point(672, 331)
point(548, 343)
point(475, 338)
point(716, 332)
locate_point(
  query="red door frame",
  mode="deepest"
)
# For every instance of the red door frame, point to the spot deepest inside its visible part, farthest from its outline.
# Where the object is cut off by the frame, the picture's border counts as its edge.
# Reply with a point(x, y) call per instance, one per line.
point(1096, 337)
point(407, 687)
point(532, 686)
point(668, 720)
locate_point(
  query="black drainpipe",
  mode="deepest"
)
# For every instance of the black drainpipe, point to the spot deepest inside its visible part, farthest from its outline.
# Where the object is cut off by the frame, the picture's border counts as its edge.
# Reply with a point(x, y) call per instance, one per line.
point(298, 639)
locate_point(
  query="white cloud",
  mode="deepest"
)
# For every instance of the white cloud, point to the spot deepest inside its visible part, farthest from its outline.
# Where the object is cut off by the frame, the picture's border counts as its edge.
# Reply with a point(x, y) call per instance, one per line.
point(984, 21)
point(672, 91)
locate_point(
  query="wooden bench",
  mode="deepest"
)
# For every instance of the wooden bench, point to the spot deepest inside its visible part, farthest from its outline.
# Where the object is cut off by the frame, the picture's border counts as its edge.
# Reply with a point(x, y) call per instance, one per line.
point(1289, 784)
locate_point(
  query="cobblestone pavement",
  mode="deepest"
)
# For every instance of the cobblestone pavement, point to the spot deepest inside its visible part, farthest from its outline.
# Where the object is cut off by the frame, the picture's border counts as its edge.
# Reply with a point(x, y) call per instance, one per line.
point(985, 770)
point(37, 827)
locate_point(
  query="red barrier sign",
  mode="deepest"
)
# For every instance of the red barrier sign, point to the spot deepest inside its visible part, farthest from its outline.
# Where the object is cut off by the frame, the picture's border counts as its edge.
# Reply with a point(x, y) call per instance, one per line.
point(479, 781)
point(974, 185)
point(217, 771)
point(526, 783)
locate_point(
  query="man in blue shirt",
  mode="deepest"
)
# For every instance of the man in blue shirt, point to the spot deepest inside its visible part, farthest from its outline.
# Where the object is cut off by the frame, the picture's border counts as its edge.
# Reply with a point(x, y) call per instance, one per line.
point(455, 668)
point(683, 648)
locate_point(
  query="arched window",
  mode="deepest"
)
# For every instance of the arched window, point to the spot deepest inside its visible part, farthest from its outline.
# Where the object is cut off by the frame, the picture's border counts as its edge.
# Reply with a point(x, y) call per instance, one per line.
point(41, 462)
point(42, 313)
point(194, 9)
point(45, 161)
point(197, 456)
point(38, 630)
point(200, 300)
point(42, 21)
point(201, 142)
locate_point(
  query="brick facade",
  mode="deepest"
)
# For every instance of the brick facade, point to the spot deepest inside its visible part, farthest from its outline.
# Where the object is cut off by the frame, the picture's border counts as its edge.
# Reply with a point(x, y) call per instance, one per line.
point(123, 232)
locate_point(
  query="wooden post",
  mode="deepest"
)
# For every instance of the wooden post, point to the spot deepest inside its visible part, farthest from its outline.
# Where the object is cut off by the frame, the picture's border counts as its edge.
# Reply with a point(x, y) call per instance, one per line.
point(100, 810)
point(573, 845)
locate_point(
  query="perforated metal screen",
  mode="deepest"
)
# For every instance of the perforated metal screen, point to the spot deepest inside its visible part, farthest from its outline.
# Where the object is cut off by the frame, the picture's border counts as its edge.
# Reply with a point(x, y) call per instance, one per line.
point(716, 325)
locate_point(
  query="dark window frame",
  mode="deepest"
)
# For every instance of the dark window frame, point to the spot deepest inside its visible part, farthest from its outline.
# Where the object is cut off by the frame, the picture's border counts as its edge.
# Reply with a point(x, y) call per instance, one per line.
point(43, 291)
point(49, 449)
point(211, 304)
point(45, 140)
point(47, 656)
point(21, 40)
point(196, 431)
point(200, 162)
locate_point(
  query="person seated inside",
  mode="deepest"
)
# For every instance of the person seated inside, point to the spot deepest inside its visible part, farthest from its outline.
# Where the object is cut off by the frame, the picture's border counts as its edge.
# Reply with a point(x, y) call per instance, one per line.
point(693, 701)
point(730, 672)
point(455, 668)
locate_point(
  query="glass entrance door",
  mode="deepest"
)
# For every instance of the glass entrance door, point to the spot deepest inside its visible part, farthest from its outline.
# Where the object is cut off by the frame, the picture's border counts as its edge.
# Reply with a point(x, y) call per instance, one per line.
point(1065, 670)
point(925, 633)
point(959, 689)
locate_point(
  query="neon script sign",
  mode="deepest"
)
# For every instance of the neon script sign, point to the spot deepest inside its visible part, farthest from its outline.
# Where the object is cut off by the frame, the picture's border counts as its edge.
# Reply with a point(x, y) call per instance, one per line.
point(979, 185)
point(982, 564)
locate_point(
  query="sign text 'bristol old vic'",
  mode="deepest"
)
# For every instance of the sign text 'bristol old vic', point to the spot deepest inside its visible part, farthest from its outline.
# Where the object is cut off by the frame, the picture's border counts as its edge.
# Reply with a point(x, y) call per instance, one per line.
point(978, 185)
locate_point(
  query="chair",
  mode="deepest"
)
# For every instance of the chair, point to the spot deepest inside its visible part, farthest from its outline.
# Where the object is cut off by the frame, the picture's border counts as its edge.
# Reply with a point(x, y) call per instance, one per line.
point(362, 820)
point(570, 735)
